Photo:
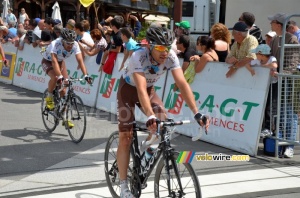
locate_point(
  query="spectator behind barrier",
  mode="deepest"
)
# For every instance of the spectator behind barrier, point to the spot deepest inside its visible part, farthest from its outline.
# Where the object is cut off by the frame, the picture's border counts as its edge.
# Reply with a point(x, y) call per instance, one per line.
point(240, 53)
point(99, 43)
point(264, 59)
point(206, 45)
point(269, 36)
point(130, 45)
point(249, 19)
point(222, 37)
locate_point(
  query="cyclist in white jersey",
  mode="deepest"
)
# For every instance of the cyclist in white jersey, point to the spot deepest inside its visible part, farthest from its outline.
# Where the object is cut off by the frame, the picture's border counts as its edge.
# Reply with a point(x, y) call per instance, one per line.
point(136, 88)
point(54, 65)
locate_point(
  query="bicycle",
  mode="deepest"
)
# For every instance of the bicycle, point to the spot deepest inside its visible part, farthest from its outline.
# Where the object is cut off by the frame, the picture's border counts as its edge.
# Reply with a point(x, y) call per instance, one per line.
point(72, 105)
point(180, 179)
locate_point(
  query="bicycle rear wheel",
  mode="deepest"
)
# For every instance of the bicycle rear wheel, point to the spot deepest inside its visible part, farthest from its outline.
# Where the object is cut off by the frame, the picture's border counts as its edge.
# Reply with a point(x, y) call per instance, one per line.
point(186, 175)
point(76, 113)
point(111, 166)
point(49, 119)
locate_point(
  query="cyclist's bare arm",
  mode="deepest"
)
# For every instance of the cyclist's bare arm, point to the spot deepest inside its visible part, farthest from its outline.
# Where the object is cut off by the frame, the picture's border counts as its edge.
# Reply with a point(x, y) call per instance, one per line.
point(141, 86)
point(186, 92)
point(81, 63)
point(55, 65)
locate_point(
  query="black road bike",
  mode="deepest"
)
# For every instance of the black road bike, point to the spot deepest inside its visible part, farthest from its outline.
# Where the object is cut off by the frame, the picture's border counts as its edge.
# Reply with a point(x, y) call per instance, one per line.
point(171, 179)
point(72, 105)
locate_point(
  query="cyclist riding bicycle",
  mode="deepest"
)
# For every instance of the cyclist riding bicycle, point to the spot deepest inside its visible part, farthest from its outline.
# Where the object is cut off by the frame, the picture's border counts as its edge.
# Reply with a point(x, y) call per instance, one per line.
point(54, 65)
point(137, 88)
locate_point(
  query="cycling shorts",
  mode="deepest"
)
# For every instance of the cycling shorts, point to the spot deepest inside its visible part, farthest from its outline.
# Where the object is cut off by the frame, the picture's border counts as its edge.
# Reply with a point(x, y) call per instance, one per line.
point(127, 98)
point(47, 65)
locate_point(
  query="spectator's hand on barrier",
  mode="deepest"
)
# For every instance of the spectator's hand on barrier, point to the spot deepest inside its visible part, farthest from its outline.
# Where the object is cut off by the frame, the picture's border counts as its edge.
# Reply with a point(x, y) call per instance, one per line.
point(232, 60)
point(273, 73)
point(202, 120)
point(151, 124)
point(88, 79)
point(195, 58)
point(60, 80)
point(100, 68)
point(5, 62)
point(232, 70)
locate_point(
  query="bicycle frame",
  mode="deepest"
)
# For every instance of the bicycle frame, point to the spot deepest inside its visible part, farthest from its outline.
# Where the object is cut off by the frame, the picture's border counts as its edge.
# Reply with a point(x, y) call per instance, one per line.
point(164, 148)
point(57, 98)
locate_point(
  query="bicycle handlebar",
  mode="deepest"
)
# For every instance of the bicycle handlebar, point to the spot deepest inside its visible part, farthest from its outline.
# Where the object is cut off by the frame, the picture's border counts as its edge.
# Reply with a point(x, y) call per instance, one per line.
point(170, 122)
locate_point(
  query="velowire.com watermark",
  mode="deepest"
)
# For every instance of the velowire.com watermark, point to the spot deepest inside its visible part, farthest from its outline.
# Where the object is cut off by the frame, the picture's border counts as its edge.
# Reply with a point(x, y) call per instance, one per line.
point(189, 156)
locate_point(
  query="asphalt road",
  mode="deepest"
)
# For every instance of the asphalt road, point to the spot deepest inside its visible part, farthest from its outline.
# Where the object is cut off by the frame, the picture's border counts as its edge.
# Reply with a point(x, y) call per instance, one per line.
point(34, 163)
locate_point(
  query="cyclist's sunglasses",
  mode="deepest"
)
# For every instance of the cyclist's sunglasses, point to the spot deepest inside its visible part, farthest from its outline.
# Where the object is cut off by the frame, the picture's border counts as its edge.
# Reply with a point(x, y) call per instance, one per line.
point(69, 43)
point(162, 48)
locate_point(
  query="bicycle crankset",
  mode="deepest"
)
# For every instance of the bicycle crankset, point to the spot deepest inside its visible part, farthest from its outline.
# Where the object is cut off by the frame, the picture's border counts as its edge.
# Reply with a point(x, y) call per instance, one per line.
point(135, 184)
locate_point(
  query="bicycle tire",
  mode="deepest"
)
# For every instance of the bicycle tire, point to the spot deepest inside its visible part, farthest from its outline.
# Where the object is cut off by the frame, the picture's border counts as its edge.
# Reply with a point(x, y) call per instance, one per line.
point(49, 120)
point(76, 113)
point(187, 175)
point(111, 167)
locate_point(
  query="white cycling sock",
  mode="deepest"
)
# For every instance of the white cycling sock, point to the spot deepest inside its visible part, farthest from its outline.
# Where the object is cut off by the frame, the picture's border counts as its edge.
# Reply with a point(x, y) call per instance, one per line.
point(49, 95)
point(124, 184)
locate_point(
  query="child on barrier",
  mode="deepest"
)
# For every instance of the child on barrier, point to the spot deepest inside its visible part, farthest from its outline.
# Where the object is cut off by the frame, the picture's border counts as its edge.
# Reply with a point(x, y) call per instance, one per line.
point(130, 45)
point(263, 58)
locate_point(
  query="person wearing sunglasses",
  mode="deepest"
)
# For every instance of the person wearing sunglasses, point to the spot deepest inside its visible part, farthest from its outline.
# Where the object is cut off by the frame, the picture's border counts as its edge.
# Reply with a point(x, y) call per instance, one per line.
point(136, 87)
point(54, 65)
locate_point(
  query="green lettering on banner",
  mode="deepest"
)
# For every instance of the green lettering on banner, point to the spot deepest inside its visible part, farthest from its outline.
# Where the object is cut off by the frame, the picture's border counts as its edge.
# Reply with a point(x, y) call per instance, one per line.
point(209, 103)
point(117, 85)
point(32, 68)
point(75, 74)
point(248, 109)
point(171, 98)
point(156, 88)
point(223, 106)
point(105, 83)
point(40, 70)
point(26, 67)
point(18, 66)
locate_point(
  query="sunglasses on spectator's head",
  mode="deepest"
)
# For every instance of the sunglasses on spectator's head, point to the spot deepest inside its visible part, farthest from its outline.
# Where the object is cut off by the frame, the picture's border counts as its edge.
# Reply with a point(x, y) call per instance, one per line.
point(162, 48)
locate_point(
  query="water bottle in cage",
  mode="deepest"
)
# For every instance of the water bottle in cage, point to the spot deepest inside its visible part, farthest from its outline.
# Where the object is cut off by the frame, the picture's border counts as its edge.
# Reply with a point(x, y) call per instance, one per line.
point(147, 156)
point(146, 143)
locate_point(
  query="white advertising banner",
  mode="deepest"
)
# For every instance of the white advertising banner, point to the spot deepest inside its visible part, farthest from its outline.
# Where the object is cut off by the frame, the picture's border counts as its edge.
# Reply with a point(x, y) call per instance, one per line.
point(29, 73)
point(88, 93)
point(107, 96)
point(235, 106)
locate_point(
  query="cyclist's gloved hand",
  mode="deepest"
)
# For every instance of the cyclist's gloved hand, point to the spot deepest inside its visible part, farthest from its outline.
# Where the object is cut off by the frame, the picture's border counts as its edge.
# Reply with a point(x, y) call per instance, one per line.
point(202, 120)
point(88, 79)
point(60, 80)
point(151, 123)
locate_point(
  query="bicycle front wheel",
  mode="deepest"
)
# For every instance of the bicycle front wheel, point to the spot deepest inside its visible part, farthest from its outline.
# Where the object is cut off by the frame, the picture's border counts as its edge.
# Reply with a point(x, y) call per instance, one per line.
point(49, 119)
point(179, 173)
point(111, 166)
point(76, 114)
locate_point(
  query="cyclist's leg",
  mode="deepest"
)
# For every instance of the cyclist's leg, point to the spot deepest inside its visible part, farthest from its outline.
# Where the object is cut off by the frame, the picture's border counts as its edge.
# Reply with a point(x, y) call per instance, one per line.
point(47, 67)
point(126, 99)
point(62, 93)
point(157, 106)
point(64, 73)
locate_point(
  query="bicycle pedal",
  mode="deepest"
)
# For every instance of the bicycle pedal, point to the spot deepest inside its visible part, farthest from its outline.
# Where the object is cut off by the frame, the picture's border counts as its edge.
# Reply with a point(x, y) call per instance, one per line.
point(143, 186)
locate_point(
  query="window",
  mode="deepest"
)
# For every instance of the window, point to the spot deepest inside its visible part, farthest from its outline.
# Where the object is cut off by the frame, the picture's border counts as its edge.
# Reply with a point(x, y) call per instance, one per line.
point(188, 9)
